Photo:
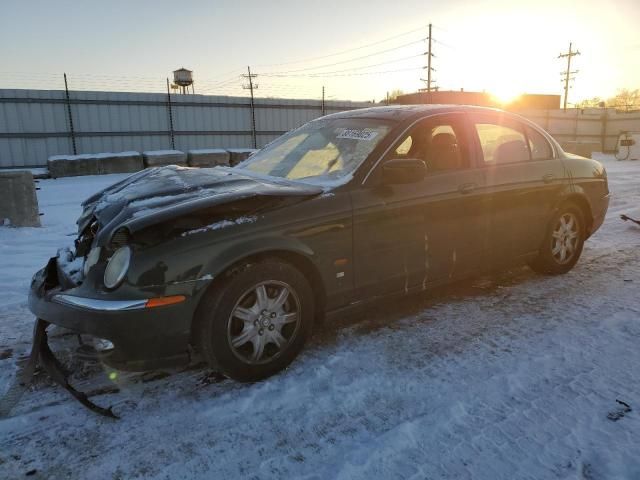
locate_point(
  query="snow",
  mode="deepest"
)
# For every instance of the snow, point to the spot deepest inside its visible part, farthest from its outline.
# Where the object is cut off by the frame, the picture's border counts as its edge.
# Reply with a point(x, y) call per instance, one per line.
point(510, 377)
point(242, 150)
point(204, 151)
point(93, 156)
point(37, 172)
point(70, 264)
point(158, 153)
point(221, 224)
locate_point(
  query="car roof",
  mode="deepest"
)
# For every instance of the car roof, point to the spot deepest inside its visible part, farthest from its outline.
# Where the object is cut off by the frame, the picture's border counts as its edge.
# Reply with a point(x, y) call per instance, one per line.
point(404, 112)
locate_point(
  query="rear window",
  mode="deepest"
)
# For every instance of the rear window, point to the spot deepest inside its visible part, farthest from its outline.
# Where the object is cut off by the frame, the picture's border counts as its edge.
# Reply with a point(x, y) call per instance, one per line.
point(502, 144)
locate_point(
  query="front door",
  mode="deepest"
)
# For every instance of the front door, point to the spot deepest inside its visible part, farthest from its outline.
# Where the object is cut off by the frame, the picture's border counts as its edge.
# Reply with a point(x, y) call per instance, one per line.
point(409, 236)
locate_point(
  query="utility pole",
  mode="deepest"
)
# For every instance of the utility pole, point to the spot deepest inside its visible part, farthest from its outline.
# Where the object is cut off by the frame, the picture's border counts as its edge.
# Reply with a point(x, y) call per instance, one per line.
point(428, 67)
point(568, 73)
point(323, 105)
point(250, 76)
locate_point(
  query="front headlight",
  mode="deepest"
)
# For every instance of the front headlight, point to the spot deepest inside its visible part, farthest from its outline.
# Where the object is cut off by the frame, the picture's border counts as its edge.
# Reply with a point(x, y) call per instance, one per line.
point(117, 267)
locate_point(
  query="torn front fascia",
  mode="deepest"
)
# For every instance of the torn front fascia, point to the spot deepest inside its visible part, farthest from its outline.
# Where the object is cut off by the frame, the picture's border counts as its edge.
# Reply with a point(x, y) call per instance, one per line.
point(45, 358)
point(85, 239)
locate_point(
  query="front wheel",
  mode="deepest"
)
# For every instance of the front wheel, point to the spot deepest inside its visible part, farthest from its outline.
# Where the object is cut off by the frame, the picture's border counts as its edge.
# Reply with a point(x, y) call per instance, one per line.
point(255, 322)
point(563, 242)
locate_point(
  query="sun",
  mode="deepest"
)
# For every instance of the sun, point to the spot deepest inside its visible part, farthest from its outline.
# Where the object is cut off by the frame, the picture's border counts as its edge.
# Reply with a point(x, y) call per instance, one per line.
point(505, 95)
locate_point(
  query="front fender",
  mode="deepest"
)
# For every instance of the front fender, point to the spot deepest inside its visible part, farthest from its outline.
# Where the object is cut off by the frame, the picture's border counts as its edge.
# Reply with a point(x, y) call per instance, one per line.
point(232, 253)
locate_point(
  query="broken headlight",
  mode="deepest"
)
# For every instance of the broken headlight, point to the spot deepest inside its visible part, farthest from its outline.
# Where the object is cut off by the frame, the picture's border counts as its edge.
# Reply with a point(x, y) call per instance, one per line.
point(117, 267)
point(91, 260)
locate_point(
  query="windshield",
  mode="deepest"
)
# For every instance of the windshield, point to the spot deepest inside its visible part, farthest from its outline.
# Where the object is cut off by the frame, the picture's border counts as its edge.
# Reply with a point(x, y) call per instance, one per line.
point(322, 152)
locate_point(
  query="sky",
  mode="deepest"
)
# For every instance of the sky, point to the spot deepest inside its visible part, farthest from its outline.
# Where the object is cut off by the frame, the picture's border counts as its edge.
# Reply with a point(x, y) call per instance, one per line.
point(357, 50)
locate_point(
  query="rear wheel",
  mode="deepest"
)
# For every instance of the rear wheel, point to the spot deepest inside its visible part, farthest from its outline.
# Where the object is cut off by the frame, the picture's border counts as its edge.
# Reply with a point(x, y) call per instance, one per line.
point(255, 322)
point(563, 242)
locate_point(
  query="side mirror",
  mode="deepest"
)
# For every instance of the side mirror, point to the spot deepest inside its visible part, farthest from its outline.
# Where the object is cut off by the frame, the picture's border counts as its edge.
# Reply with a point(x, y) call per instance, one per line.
point(403, 170)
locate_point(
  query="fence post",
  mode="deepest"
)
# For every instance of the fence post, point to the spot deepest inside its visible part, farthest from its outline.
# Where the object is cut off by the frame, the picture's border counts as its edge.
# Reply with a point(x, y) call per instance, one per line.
point(71, 130)
point(603, 129)
point(173, 143)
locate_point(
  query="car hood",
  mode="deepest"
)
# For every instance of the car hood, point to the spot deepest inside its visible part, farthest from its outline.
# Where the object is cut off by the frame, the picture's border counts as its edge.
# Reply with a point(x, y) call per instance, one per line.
point(160, 194)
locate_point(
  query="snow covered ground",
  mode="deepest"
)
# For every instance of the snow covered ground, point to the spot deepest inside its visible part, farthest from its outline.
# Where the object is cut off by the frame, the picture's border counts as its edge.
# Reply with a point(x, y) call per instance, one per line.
point(504, 378)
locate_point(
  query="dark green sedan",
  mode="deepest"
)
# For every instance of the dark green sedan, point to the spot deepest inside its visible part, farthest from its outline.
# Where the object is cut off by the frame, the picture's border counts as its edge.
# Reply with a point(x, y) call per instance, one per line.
point(236, 264)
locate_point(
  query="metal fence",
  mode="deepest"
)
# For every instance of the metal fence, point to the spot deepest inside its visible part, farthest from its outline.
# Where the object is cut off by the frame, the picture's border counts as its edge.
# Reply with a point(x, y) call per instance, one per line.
point(602, 126)
point(35, 124)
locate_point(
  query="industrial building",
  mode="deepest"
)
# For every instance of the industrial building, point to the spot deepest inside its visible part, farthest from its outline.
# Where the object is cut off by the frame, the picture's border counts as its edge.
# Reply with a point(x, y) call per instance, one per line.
point(528, 101)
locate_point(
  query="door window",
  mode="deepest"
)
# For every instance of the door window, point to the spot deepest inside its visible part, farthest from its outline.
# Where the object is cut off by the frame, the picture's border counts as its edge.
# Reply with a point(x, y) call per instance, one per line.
point(440, 144)
point(502, 144)
point(540, 148)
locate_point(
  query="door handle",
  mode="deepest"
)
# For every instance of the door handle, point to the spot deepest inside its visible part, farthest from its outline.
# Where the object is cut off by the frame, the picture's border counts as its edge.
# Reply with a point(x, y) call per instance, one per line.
point(467, 187)
point(548, 178)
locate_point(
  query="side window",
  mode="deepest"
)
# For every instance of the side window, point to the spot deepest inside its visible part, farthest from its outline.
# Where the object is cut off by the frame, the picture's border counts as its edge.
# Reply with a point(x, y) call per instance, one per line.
point(502, 144)
point(540, 148)
point(404, 148)
point(440, 144)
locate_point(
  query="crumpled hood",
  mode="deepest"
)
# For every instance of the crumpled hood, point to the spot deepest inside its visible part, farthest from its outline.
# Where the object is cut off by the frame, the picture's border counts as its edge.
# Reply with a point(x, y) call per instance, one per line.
point(159, 194)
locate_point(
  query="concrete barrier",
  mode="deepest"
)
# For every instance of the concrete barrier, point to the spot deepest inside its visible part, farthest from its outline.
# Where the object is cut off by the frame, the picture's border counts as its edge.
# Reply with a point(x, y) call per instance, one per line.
point(94, 164)
point(239, 154)
point(584, 149)
point(159, 158)
point(18, 200)
point(208, 157)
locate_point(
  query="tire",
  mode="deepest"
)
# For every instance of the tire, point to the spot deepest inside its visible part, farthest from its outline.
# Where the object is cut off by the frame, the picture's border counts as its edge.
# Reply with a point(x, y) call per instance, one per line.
point(563, 241)
point(255, 322)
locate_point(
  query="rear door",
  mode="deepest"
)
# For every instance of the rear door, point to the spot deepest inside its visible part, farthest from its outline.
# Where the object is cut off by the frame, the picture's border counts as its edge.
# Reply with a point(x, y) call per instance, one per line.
point(523, 181)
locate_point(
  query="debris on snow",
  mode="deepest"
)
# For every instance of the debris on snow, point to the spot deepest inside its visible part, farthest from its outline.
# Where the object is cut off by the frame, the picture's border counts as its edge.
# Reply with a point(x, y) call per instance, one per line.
point(620, 412)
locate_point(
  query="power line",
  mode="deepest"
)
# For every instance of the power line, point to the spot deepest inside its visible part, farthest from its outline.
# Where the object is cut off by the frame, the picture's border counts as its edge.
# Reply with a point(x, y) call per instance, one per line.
point(343, 51)
point(324, 74)
point(412, 69)
point(351, 59)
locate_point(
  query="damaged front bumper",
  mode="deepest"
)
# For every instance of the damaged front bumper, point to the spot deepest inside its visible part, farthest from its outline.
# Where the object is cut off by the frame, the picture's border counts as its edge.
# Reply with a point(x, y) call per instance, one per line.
point(143, 338)
point(42, 356)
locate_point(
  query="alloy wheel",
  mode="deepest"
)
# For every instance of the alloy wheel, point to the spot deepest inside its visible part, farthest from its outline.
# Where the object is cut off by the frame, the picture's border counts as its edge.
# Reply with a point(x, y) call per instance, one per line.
point(565, 238)
point(264, 322)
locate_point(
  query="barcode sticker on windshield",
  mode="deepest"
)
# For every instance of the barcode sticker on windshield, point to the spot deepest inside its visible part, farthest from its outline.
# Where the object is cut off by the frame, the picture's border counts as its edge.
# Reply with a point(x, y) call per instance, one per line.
point(358, 134)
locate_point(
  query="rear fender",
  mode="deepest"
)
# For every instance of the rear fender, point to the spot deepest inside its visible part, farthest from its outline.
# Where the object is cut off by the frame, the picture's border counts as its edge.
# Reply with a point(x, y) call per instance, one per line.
point(576, 194)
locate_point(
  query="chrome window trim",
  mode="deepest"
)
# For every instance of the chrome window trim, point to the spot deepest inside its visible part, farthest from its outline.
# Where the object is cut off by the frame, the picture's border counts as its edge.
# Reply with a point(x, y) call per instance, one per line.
point(95, 304)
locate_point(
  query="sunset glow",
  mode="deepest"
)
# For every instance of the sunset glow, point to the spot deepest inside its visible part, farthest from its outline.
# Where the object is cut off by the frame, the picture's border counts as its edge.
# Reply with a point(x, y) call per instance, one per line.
point(502, 48)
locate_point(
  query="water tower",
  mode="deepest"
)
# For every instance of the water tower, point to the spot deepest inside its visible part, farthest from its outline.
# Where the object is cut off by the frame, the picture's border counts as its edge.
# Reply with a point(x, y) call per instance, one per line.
point(183, 78)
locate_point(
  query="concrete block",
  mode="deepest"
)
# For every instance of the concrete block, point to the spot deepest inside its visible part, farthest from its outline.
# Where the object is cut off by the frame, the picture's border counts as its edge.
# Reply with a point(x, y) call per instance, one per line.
point(584, 149)
point(18, 200)
point(208, 157)
point(123, 162)
point(72, 166)
point(240, 154)
point(94, 164)
point(159, 158)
